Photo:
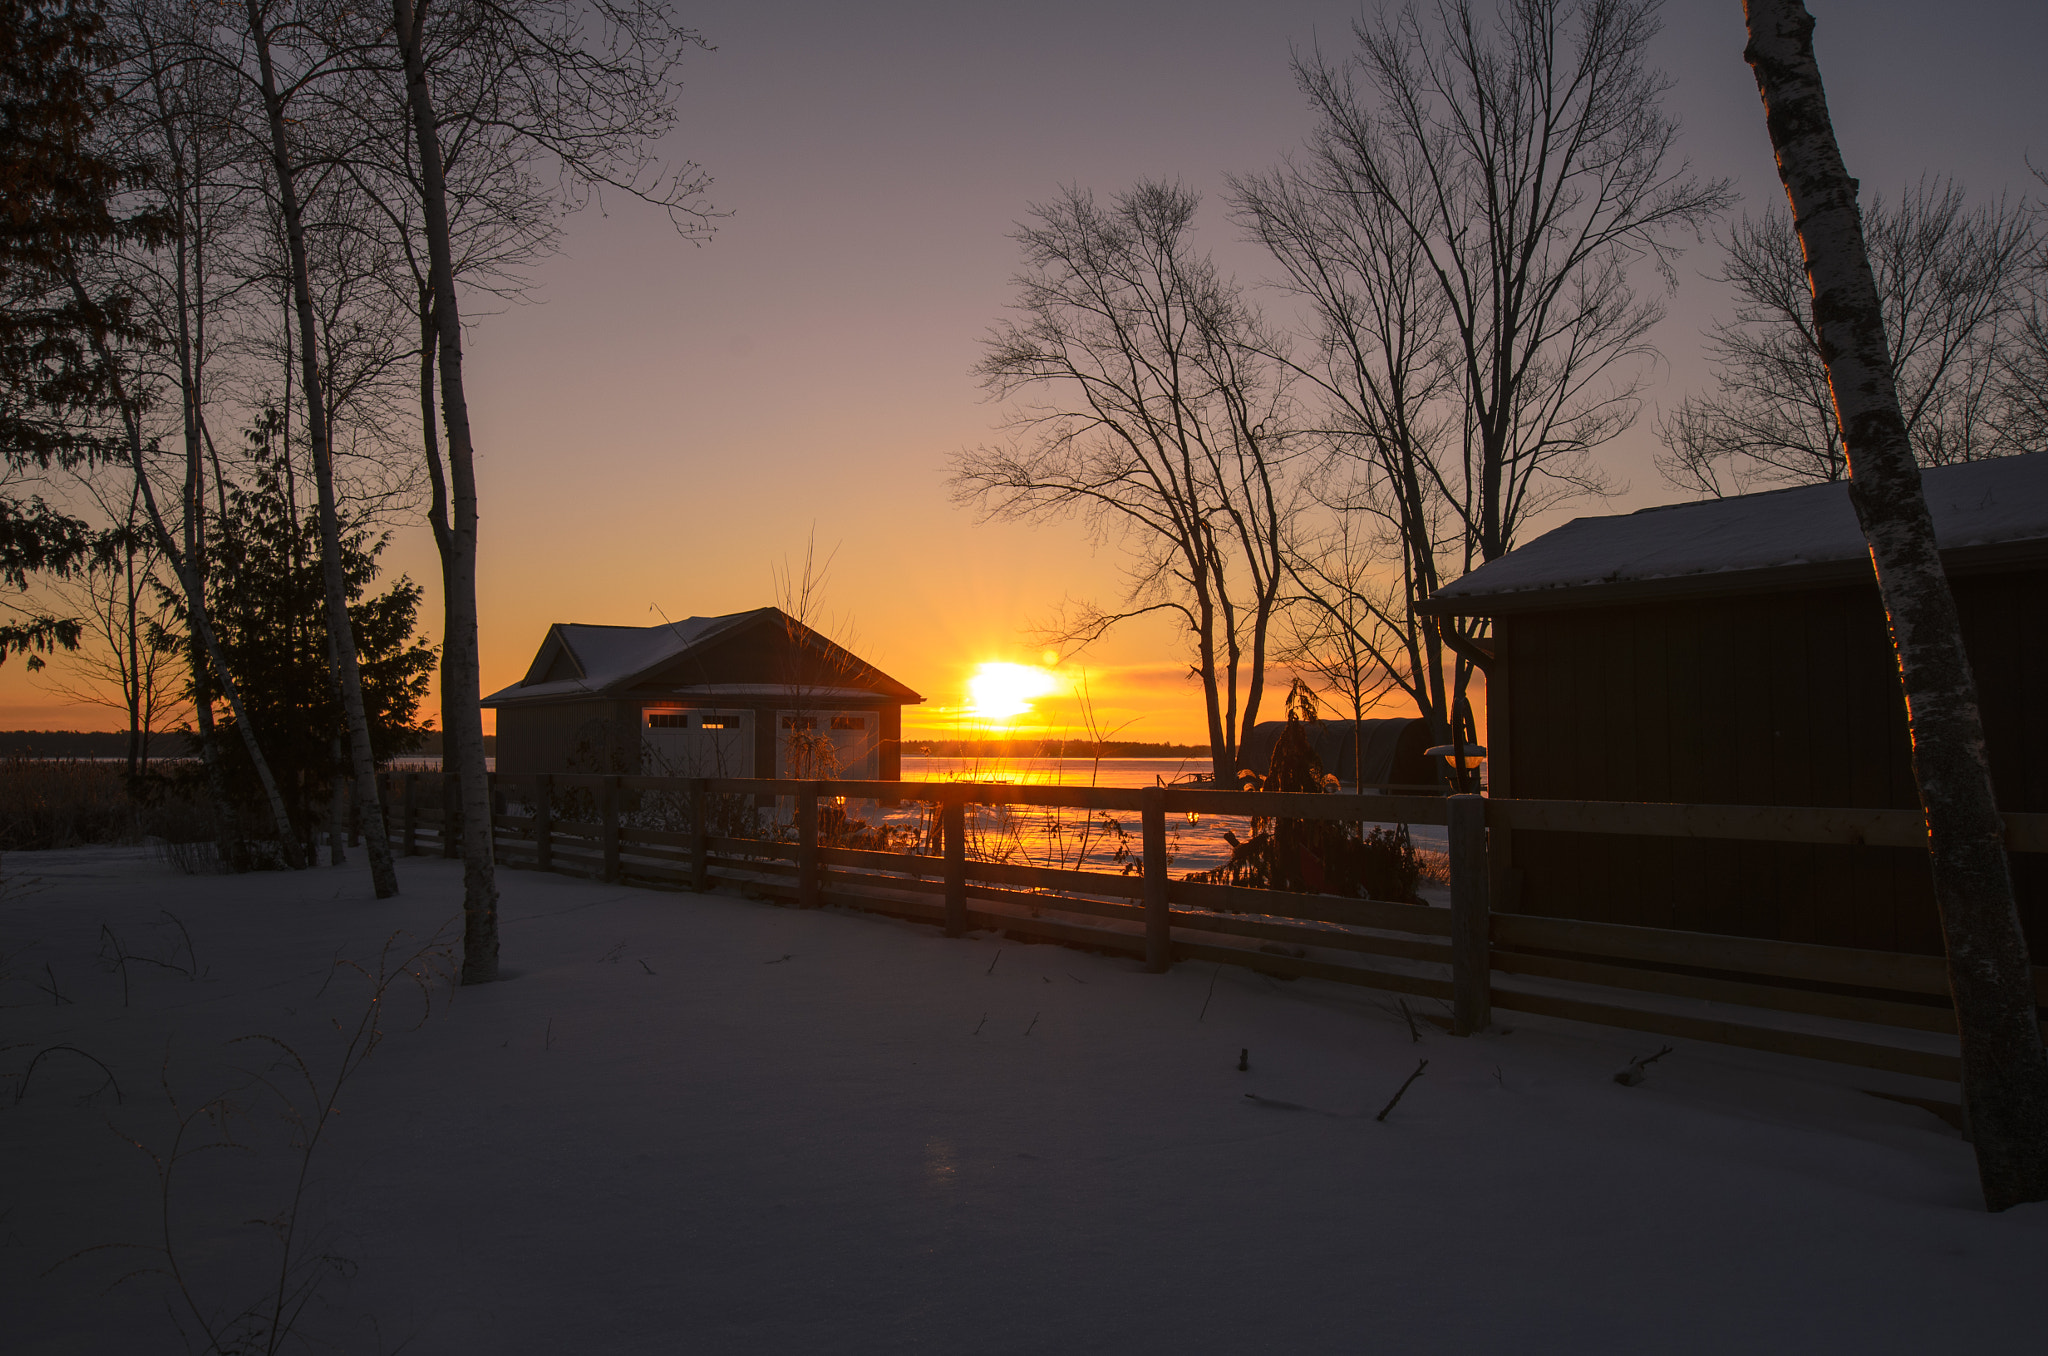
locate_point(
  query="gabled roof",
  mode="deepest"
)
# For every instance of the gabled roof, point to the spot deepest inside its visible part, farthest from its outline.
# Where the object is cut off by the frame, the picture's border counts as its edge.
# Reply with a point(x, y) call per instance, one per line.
point(1986, 513)
point(578, 660)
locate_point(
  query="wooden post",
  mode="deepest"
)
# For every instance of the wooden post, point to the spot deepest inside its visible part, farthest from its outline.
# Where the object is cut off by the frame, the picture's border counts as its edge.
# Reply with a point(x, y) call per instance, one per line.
point(610, 816)
point(1471, 963)
point(410, 823)
point(953, 819)
point(1158, 921)
point(700, 836)
point(544, 822)
point(807, 846)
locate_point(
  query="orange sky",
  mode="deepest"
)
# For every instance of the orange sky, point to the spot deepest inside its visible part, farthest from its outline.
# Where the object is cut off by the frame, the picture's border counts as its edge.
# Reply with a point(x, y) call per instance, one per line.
point(668, 424)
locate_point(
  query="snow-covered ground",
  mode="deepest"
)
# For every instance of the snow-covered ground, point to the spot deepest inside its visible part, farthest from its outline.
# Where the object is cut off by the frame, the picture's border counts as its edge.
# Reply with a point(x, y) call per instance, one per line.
point(706, 1124)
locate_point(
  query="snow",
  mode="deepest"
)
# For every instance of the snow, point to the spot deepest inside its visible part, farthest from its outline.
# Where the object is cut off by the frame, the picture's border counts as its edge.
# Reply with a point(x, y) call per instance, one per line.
point(613, 654)
point(707, 1124)
point(1972, 503)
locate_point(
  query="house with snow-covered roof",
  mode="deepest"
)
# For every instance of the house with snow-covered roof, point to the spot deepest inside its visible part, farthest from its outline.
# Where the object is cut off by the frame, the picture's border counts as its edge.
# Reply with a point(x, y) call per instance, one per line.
point(1736, 652)
point(752, 694)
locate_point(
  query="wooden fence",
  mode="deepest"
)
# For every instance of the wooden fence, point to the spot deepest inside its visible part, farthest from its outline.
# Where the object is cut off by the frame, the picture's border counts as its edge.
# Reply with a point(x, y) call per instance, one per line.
point(1874, 1009)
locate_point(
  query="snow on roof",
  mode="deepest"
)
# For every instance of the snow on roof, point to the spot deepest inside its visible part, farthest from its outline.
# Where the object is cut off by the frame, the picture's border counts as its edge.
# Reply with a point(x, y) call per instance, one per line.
point(1974, 504)
point(612, 654)
point(607, 654)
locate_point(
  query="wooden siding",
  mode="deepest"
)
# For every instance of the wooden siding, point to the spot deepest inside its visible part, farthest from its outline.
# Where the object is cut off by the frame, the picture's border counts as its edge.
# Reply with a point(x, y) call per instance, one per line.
point(544, 738)
point(1764, 699)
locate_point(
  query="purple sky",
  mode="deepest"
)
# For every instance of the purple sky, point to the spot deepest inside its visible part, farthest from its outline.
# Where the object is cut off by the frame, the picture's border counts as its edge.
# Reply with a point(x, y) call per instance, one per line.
point(667, 422)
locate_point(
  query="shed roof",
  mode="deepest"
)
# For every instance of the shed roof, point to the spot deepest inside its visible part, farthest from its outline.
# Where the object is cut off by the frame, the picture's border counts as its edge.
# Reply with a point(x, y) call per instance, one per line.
point(611, 660)
point(1986, 513)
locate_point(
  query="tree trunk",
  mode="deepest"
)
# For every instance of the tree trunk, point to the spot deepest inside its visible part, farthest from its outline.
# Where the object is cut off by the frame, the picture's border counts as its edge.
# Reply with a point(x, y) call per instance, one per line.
point(2005, 1077)
point(461, 666)
point(348, 672)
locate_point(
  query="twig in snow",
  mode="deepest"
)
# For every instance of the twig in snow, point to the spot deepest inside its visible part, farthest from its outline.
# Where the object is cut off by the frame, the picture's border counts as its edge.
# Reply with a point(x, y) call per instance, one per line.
point(979, 1025)
point(1278, 1105)
point(1638, 1069)
point(1403, 1088)
point(22, 1091)
point(998, 956)
point(191, 956)
point(612, 956)
point(1414, 1036)
point(120, 958)
point(1034, 1022)
point(1212, 991)
point(331, 969)
point(778, 960)
point(645, 966)
point(57, 1000)
point(549, 1042)
point(1244, 1061)
point(1071, 975)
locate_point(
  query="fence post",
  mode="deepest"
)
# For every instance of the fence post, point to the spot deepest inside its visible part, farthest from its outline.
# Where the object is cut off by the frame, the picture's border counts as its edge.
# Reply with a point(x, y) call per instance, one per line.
point(610, 816)
point(1471, 964)
point(700, 836)
point(544, 822)
point(807, 846)
point(410, 822)
point(953, 818)
point(1158, 922)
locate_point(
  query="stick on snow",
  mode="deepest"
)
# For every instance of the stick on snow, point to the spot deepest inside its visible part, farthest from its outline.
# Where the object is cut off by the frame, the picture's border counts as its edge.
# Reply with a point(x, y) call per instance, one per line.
point(1638, 1069)
point(1403, 1088)
point(1212, 991)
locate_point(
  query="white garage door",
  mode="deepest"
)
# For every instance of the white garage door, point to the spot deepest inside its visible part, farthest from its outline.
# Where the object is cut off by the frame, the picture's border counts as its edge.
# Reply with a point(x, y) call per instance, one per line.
point(698, 743)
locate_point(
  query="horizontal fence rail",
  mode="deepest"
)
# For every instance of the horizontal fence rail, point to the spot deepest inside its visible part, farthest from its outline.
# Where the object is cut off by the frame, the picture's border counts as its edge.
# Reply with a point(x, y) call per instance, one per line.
point(1873, 1009)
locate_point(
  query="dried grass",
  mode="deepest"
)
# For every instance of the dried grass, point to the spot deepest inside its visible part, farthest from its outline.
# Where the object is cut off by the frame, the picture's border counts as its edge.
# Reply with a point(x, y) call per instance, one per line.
point(79, 802)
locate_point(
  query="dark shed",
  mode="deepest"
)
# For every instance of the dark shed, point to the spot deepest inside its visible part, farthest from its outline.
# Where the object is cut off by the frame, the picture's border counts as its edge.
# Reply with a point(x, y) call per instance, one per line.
point(1364, 752)
point(705, 696)
point(1736, 652)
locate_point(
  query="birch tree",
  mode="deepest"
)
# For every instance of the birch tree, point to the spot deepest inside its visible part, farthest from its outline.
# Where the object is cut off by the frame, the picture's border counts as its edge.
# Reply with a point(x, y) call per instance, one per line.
point(285, 168)
point(2005, 1074)
point(1155, 411)
point(589, 87)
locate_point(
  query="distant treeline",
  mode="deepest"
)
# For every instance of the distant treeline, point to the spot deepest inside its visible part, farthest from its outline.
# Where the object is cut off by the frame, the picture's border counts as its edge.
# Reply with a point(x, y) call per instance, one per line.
point(1047, 748)
point(162, 744)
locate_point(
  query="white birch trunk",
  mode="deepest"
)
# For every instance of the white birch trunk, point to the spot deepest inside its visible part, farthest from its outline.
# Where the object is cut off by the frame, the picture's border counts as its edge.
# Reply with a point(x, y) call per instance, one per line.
point(2005, 1077)
point(461, 667)
point(341, 632)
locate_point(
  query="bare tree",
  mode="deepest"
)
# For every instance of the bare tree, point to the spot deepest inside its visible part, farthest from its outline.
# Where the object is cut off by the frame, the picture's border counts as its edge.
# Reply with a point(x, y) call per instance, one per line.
point(1948, 278)
point(287, 164)
point(1464, 225)
point(1157, 414)
point(130, 648)
point(2022, 399)
point(588, 86)
point(2005, 1074)
point(1339, 638)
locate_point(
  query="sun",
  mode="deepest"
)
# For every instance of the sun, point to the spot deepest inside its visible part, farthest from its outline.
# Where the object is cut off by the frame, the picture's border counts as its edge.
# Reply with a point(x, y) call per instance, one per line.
point(1003, 692)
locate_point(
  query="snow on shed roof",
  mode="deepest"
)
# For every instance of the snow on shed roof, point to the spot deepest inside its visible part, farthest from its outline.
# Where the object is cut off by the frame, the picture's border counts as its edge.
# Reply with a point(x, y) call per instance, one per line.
point(1980, 503)
point(607, 654)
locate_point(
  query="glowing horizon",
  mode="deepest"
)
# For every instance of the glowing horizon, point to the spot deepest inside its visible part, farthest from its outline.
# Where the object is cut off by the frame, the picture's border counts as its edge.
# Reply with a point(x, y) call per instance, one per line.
point(1004, 692)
